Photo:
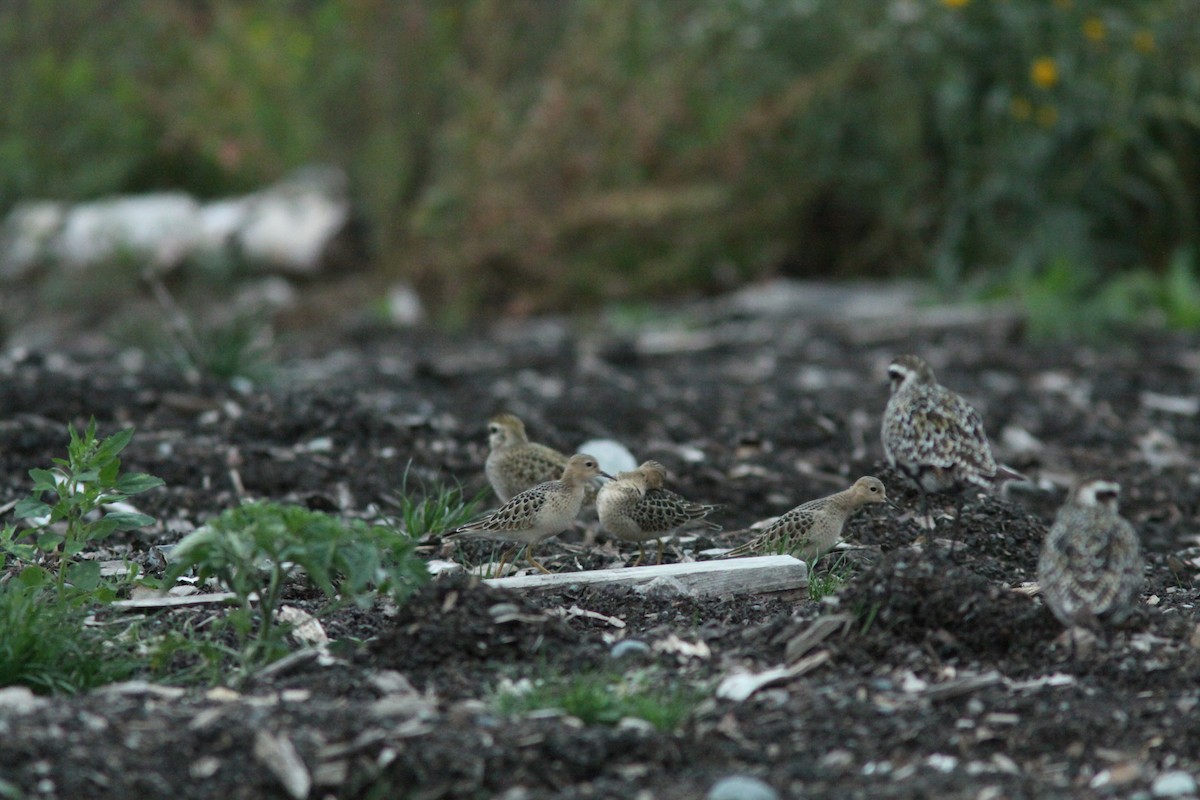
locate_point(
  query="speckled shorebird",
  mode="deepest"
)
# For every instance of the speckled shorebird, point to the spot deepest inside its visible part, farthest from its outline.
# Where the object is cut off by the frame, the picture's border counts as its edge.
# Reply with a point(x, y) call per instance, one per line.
point(538, 513)
point(515, 463)
point(1090, 569)
point(812, 529)
point(934, 436)
point(635, 507)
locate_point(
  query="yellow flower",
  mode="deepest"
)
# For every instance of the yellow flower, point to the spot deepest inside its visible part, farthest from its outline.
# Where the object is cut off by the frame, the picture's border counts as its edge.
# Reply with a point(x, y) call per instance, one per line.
point(1044, 72)
point(1020, 108)
point(1143, 41)
point(955, 3)
point(1047, 116)
point(1093, 28)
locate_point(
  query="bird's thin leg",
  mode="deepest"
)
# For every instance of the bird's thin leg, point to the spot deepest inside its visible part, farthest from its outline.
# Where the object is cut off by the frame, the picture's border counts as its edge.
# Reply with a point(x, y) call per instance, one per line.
point(925, 510)
point(641, 554)
point(660, 551)
point(504, 559)
point(957, 523)
point(533, 561)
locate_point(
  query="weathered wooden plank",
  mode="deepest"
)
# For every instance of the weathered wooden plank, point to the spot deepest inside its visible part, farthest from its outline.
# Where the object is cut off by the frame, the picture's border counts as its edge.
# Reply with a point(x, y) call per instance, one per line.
point(145, 603)
point(730, 576)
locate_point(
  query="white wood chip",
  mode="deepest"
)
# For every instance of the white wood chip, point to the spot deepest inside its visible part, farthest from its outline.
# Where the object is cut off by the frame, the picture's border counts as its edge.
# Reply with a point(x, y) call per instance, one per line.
point(730, 576)
point(278, 754)
point(174, 602)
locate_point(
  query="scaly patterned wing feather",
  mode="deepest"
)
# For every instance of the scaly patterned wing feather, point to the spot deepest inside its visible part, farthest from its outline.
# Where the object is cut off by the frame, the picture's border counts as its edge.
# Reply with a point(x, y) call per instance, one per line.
point(519, 513)
point(664, 510)
point(537, 464)
point(785, 535)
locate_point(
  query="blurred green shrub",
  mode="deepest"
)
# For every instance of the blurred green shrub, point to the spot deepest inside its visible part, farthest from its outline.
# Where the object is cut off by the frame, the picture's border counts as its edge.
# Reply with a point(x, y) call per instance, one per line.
point(522, 154)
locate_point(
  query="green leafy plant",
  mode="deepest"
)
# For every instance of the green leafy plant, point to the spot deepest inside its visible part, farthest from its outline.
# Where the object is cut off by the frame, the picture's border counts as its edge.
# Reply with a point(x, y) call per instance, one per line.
point(256, 549)
point(67, 507)
point(1068, 300)
point(47, 647)
point(830, 578)
point(604, 698)
point(236, 347)
point(434, 510)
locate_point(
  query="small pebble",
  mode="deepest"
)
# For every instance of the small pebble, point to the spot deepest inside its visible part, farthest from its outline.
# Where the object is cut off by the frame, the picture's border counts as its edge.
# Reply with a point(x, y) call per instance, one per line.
point(629, 647)
point(1173, 784)
point(741, 787)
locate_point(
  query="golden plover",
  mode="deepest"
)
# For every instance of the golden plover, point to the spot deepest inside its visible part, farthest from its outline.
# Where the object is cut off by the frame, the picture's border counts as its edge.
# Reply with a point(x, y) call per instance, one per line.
point(538, 513)
point(934, 436)
point(1090, 569)
point(811, 529)
point(636, 508)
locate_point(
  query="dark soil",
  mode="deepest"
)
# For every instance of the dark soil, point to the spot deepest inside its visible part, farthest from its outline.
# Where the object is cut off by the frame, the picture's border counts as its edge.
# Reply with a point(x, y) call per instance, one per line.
point(945, 678)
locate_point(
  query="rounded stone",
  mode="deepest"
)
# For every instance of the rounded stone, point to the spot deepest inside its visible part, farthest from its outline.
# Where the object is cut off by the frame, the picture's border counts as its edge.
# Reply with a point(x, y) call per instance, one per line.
point(1173, 784)
point(741, 787)
point(629, 648)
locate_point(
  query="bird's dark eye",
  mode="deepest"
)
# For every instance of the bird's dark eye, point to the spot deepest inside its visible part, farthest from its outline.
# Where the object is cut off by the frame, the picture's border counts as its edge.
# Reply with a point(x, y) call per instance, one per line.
point(874, 488)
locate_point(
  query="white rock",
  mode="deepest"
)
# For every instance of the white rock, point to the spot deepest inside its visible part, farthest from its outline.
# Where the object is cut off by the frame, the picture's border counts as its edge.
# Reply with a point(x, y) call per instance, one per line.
point(1173, 784)
point(19, 700)
point(27, 235)
point(741, 787)
point(289, 226)
point(218, 224)
point(613, 456)
point(404, 307)
point(160, 229)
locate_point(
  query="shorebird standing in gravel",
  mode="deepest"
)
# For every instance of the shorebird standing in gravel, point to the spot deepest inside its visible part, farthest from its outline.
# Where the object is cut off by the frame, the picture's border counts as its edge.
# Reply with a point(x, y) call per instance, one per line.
point(935, 437)
point(515, 463)
point(812, 529)
point(635, 507)
point(1090, 569)
point(536, 514)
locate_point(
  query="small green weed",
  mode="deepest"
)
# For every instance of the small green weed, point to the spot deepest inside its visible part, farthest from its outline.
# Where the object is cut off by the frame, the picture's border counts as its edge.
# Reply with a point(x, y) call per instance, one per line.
point(239, 348)
point(605, 699)
point(434, 510)
point(47, 647)
point(830, 578)
point(236, 348)
point(255, 549)
point(868, 615)
point(79, 486)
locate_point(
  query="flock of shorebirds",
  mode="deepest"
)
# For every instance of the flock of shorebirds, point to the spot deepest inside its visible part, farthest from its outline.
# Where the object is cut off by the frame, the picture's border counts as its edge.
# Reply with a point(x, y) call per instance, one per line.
point(1090, 569)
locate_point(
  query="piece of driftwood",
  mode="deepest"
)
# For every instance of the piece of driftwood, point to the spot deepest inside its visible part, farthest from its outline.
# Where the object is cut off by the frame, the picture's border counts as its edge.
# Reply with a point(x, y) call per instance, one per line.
point(728, 576)
point(145, 603)
point(820, 629)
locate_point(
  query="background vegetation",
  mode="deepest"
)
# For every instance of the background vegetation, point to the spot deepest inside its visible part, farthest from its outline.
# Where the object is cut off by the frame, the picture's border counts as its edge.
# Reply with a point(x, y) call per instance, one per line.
point(536, 153)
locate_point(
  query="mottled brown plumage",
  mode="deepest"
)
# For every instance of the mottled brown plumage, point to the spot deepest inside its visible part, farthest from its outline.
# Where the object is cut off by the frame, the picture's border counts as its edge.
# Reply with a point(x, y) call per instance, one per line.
point(811, 529)
point(515, 463)
point(538, 513)
point(635, 507)
point(1090, 568)
point(933, 435)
